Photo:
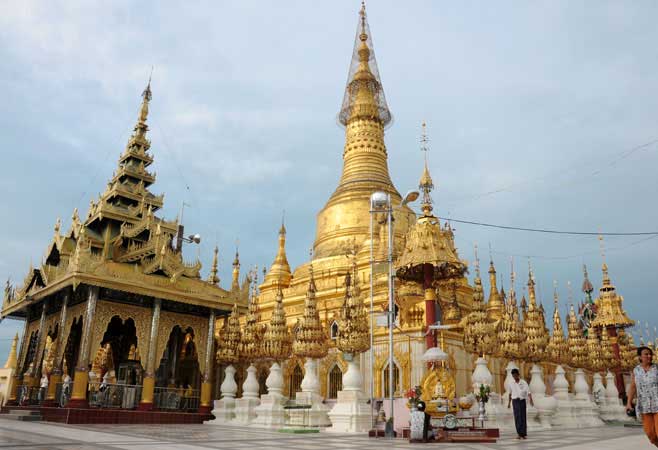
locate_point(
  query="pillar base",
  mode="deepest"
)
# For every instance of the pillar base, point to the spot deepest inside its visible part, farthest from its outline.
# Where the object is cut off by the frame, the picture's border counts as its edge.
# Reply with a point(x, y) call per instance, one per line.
point(206, 402)
point(204, 409)
point(145, 406)
point(78, 403)
point(55, 379)
point(79, 394)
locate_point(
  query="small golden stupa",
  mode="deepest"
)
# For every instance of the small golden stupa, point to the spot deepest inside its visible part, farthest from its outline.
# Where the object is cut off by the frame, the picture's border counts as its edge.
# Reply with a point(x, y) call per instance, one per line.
point(557, 349)
point(228, 344)
point(277, 340)
point(576, 341)
point(251, 344)
point(593, 344)
point(311, 340)
point(353, 328)
point(534, 327)
point(479, 333)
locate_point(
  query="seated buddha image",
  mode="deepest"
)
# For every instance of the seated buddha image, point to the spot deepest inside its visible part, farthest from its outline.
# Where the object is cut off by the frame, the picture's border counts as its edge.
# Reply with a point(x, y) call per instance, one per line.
point(188, 349)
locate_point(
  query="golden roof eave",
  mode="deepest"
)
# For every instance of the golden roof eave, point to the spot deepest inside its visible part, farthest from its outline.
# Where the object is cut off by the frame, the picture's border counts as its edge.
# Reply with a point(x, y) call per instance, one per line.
point(221, 301)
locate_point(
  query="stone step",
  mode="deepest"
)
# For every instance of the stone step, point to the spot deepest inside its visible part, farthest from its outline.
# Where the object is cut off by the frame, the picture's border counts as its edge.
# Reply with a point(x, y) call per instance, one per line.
point(22, 418)
point(24, 412)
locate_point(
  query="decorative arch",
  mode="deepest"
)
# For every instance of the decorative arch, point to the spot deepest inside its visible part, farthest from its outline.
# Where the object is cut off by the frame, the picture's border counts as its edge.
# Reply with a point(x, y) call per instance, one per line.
point(334, 358)
point(334, 382)
point(168, 320)
point(333, 330)
point(104, 313)
point(402, 359)
point(293, 367)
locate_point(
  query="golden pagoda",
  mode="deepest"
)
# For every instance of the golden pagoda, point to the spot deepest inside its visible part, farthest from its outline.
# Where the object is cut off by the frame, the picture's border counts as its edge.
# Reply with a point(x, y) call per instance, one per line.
point(117, 281)
point(576, 341)
point(557, 349)
point(279, 274)
point(479, 333)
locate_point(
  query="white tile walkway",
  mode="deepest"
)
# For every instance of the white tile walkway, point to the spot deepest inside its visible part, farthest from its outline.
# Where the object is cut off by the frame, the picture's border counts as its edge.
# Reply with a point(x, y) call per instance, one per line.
point(38, 435)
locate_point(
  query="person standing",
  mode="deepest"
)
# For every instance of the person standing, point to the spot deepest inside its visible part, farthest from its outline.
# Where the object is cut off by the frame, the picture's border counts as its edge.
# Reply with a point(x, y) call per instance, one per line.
point(519, 393)
point(644, 385)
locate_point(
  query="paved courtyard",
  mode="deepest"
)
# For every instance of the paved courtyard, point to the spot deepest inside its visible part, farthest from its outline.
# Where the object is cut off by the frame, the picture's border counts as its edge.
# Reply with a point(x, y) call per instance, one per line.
point(38, 435)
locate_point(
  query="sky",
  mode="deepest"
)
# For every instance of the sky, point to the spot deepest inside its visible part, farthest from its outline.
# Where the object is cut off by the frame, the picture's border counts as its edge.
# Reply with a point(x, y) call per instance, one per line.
point(540, 114)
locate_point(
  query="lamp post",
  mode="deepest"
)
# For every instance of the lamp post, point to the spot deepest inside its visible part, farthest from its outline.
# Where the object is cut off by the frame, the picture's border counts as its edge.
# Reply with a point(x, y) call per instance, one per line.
point(380, 202)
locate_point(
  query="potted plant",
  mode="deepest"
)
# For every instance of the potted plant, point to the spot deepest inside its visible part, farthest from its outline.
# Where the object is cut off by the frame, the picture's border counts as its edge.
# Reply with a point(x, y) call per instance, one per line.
point(413, 397)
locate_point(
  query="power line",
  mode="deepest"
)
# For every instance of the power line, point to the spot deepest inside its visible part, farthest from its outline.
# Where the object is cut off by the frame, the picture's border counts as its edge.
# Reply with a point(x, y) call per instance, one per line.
point(542, 230)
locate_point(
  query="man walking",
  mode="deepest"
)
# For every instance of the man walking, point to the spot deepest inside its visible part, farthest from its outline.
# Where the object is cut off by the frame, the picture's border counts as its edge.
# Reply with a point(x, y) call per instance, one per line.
point(519, 392)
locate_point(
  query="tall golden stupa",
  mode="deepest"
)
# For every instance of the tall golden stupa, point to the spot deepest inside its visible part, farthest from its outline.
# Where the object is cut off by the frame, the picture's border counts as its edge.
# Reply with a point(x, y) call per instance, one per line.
point(343, 229)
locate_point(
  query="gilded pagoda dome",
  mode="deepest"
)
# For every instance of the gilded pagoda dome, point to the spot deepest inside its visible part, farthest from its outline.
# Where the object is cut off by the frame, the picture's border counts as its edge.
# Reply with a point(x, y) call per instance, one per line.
point(609, 310)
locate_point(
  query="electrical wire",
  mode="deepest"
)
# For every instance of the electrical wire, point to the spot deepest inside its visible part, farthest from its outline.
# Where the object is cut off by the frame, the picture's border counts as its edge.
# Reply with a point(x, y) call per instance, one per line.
point(543, 230)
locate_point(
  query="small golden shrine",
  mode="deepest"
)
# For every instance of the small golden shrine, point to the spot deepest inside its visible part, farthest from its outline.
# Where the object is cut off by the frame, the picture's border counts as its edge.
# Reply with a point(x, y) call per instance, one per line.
point(510, 331)
point(534, 327)
point(576, 341)
point(479, 335)
point(557, 349)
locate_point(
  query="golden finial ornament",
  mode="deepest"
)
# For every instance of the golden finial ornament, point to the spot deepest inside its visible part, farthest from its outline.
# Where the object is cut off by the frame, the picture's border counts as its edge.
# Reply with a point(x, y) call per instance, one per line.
point(593, 344)
point(534, 327)
point(557, 349)
point(213, 278)
point(353, 327)
point(277, 342)
point(251, 345)
point(235, 276)
point(576, 341)
point(479, 335)
point(279, 273)
point(495, 305)
point(510, 331)
point(609, 309)
point(311, 340)
point(228, 344)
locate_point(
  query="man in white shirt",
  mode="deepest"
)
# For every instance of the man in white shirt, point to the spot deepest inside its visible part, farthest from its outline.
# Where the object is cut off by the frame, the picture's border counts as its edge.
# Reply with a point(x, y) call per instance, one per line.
point(519, 392)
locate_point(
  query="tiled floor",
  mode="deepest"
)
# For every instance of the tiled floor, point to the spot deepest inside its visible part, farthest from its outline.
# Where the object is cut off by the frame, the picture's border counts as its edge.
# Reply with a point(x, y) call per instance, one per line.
point(38, 435)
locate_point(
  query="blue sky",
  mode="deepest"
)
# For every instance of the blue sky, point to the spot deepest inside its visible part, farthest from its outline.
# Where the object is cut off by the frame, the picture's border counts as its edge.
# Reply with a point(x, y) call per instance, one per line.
point(540, 101)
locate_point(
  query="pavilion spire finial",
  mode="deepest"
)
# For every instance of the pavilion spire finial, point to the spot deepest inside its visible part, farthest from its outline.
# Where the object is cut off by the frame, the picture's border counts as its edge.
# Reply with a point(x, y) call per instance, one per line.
point(426, 185)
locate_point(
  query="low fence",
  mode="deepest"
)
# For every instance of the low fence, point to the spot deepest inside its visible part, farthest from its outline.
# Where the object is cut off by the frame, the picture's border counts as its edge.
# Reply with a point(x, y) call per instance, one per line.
point(176, 399)
point(122, 396)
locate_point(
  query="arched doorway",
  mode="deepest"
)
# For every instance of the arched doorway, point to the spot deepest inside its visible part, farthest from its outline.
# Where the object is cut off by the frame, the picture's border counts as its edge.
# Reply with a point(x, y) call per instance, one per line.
point(117, 353)
point(295, 380)
point(335, 381)
point(72, 349)
point(396, 380)
point(179, 365)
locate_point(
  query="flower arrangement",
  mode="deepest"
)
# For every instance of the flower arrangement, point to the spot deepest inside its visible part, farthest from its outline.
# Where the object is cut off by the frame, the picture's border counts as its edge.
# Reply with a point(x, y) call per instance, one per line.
point(413, 396)
point(482, 393)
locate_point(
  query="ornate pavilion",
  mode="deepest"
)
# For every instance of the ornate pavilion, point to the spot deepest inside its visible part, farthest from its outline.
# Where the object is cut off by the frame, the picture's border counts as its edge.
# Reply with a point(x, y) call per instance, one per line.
point(114, 298)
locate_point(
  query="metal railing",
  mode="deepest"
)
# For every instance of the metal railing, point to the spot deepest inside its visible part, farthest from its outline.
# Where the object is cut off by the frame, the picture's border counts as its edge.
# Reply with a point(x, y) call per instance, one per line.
point(176, 399)
point(30, 395)
point(122, 396)
point(63, 393)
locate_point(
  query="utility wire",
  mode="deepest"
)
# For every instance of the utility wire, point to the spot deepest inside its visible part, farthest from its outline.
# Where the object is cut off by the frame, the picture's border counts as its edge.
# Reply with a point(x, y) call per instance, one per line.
point(542, 230)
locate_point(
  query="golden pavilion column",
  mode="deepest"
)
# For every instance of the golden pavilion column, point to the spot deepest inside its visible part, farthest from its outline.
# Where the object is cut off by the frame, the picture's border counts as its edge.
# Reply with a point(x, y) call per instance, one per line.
point(56, 376)
point(206, 385)
point(148, 384)
point(30, 376)
point(81, 378)
point(17, 378)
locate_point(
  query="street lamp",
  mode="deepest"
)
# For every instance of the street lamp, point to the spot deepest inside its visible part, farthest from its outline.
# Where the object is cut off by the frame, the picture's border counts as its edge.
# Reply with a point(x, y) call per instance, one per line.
point(380, 202)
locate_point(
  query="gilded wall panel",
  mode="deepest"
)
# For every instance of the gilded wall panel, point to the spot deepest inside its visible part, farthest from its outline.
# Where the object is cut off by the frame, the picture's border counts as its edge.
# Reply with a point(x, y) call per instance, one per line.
point(168, 320)
point(31, 327)
point(326, 364)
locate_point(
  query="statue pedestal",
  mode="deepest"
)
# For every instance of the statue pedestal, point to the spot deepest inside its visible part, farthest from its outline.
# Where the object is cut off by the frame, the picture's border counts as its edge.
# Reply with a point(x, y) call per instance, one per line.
point(224, 410)
point(564, 417)
point(544, 405)
point(613, 408)
point(270, 412)
point(245, 407)
point(316, 413)
point(351, 414)
point(586, 411)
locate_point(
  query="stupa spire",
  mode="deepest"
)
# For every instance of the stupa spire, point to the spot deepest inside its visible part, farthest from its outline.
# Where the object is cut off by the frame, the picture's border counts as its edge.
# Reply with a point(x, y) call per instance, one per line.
point(235, 281)
point(364, 113)
point(12, 358)
point(495, 305)
point(213, 278)
point(426, 185)
point(279, 273)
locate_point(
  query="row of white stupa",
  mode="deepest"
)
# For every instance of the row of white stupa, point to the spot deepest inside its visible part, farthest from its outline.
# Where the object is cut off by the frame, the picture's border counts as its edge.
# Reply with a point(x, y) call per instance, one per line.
point(586, 407)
